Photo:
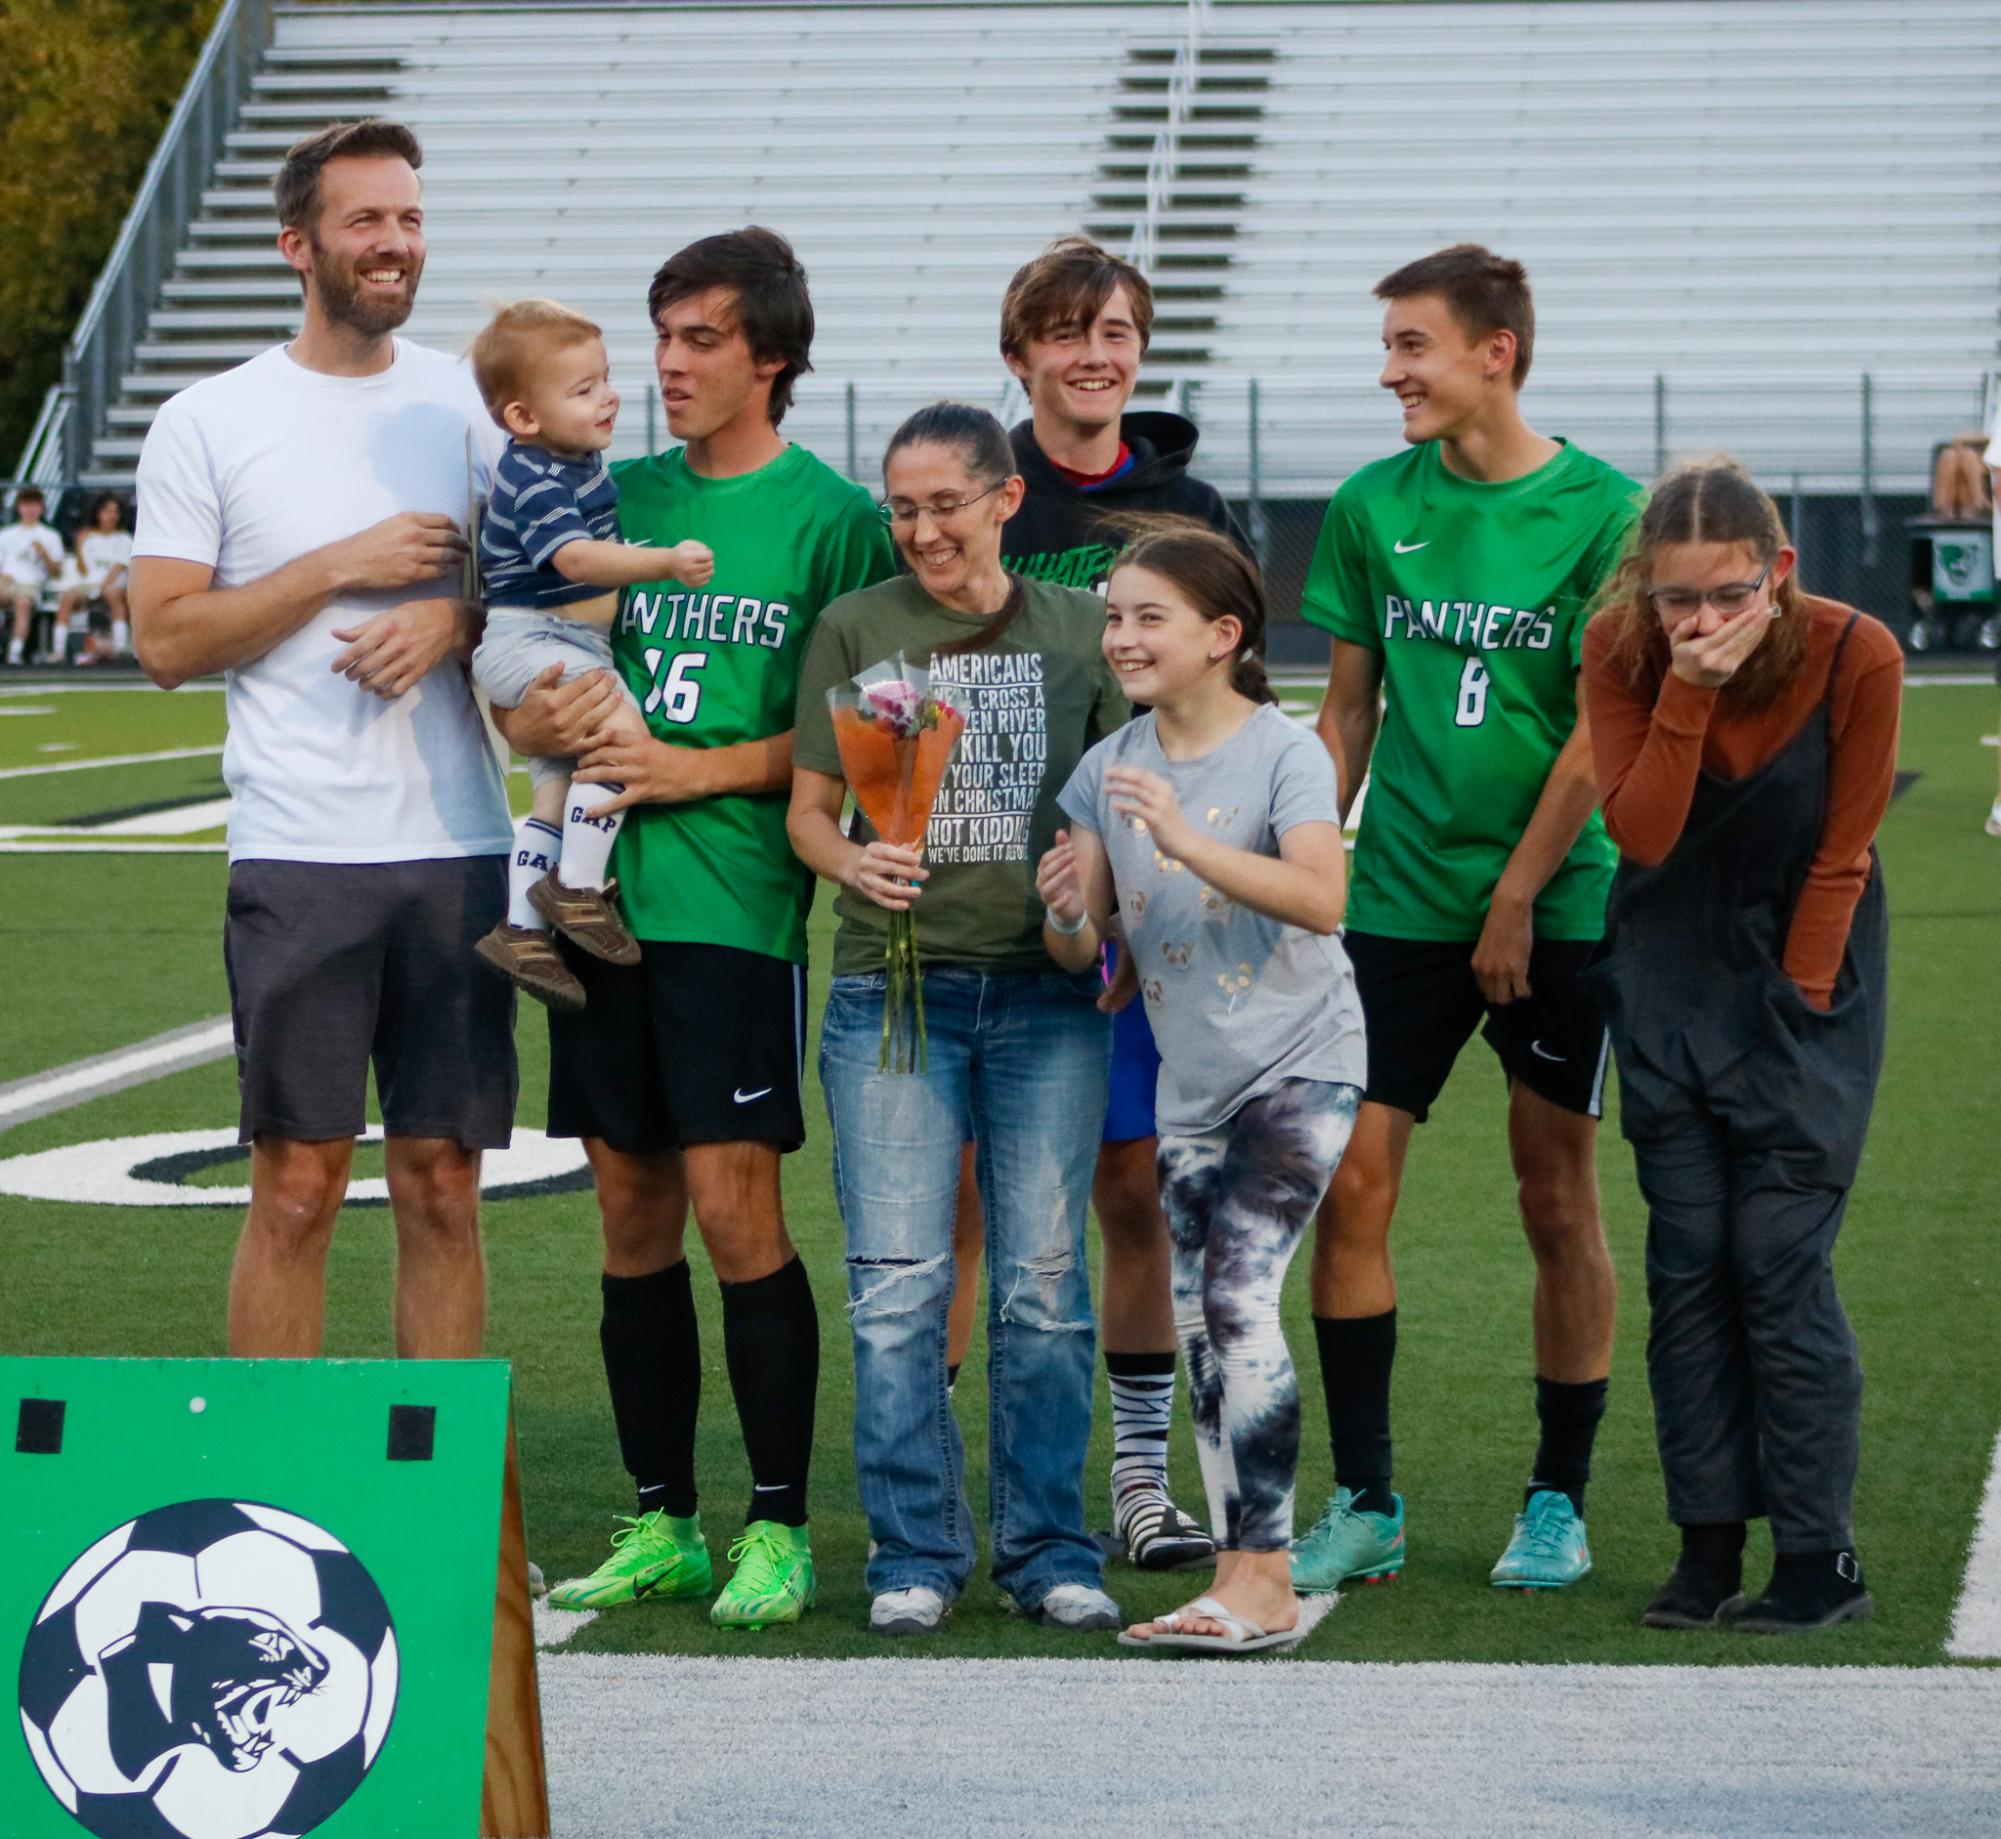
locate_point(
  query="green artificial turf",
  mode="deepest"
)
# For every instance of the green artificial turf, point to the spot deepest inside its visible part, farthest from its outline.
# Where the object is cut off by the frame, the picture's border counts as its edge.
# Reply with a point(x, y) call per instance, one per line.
point(104, 950)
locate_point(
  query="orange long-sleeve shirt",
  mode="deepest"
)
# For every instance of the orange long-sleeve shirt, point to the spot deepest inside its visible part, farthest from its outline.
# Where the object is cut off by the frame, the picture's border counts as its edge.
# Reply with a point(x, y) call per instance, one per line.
point(1650, 741)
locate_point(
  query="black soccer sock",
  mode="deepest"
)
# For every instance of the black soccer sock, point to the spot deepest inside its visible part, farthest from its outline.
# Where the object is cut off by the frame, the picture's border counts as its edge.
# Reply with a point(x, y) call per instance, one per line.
point(1356, 1355)
point(771, 1339)
point(1569, 1416)
point(653, 1363)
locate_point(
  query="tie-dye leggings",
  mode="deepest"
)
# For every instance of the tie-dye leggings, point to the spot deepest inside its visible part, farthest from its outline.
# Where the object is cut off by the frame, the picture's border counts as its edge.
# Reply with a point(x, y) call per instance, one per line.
point(1237, 1200)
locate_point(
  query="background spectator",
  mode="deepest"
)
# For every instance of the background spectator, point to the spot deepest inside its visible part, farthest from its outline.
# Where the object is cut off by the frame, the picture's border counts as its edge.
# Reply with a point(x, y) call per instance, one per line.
point(30, 552)
point(103, 559)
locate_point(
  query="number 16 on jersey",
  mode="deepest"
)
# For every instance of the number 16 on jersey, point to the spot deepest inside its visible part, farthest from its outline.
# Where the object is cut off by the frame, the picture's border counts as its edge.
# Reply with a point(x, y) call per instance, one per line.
point(677, 695)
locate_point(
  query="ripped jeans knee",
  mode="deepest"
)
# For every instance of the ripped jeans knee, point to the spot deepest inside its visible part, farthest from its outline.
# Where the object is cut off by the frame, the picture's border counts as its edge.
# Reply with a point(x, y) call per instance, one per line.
point(896, 1286)
point(1047, 1292)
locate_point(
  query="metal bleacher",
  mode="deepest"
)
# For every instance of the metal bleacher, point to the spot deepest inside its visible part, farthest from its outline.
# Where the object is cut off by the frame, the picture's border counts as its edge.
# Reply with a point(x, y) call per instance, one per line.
point(1733, 210)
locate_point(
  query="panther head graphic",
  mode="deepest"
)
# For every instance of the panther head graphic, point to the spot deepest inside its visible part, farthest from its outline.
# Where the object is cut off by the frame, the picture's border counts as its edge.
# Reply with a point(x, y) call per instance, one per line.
point(217, 1676)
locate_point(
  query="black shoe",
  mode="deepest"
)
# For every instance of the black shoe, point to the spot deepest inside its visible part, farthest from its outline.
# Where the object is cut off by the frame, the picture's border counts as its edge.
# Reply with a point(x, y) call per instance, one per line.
point(1808, 1590)
point(1155, 1535)
point(1694, 1596)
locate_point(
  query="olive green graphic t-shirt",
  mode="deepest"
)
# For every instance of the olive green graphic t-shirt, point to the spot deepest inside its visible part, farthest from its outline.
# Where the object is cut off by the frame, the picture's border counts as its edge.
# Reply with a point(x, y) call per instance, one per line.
point(1035, 701)
point(1476, 596)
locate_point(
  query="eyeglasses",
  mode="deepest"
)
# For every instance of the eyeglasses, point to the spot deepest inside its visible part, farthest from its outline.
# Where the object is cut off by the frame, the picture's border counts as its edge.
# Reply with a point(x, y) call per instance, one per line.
point(903, 511)
point(1729, 599)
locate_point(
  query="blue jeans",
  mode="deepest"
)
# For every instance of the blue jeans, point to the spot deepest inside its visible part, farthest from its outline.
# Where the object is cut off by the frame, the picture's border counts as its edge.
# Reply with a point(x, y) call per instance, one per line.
point(1018, 1061)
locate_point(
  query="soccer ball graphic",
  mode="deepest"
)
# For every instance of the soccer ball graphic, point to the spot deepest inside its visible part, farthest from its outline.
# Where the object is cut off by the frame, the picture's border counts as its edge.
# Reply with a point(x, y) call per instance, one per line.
point(210, 1670)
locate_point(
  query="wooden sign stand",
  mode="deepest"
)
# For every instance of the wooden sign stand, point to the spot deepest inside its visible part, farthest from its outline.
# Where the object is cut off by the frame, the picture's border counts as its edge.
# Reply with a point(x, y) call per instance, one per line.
point(514, 1794)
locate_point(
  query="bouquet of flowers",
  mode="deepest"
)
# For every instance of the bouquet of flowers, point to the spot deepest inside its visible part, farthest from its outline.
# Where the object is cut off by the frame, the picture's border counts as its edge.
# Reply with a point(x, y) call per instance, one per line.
point(896, 733)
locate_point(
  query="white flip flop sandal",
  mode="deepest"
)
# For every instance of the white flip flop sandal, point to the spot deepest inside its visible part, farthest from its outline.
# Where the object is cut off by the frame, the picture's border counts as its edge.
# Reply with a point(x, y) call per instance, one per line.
point(1244, 1636)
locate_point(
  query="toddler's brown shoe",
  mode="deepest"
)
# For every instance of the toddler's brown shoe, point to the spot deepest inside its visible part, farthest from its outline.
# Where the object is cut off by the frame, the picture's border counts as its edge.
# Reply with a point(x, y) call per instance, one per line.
point(587, 917)
point(529, 960)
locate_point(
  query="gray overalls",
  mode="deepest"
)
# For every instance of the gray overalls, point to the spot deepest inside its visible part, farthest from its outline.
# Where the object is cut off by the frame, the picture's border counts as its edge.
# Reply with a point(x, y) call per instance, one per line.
point(1746, 1109)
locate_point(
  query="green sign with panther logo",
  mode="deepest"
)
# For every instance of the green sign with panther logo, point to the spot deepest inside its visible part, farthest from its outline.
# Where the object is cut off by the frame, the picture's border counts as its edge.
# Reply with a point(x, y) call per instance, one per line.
point(220, 1606)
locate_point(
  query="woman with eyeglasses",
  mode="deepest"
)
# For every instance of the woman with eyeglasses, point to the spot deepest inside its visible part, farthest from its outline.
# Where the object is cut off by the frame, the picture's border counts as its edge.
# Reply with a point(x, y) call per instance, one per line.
point(1017, 1050)
point(1745, 737)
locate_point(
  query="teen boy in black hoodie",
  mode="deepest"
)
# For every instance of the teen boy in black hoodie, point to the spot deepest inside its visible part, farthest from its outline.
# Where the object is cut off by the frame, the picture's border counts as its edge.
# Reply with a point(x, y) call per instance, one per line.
point(1074, 327)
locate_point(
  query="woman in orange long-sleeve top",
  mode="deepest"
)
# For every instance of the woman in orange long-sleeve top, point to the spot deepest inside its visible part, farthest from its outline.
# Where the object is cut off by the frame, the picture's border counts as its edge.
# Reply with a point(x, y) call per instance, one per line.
point(1745, 736)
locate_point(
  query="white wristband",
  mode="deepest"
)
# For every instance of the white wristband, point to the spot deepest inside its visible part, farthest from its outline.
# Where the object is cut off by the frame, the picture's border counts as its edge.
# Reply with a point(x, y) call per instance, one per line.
point(1057, 926)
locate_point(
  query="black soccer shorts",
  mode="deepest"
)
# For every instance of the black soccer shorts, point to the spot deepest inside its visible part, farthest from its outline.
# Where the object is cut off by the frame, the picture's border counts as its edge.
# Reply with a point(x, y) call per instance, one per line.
point(1420, 1003)
point(693, 1044)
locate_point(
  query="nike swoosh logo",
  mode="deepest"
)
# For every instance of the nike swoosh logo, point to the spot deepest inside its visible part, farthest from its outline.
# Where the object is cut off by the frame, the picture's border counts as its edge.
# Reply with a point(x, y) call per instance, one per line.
point(744, 1098)
point(1543, 1053)
point(1404, 549)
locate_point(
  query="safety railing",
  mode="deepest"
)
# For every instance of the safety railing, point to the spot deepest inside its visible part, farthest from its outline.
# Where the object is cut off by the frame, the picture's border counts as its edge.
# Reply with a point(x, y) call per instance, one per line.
point(168, 199)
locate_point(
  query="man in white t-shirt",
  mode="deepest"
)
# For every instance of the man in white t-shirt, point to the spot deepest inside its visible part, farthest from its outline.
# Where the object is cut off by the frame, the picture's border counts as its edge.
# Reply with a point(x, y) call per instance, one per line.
point(30, 552)
point(302, 527)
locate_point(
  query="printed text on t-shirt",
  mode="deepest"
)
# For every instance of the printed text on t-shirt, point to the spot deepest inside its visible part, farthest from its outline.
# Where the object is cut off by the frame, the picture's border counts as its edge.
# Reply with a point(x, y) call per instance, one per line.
point(988, 798)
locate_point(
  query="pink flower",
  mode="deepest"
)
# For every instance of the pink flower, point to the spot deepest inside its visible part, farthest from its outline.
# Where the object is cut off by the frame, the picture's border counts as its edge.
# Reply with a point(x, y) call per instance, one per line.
point(896, 705)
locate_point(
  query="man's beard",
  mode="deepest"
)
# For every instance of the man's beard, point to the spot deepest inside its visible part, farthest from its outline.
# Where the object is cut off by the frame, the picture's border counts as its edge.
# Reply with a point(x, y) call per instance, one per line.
point(345, 302)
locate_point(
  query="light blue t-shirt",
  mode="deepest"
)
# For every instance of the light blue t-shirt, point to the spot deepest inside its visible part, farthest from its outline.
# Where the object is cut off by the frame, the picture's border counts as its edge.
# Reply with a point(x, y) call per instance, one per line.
point(1238, 1002)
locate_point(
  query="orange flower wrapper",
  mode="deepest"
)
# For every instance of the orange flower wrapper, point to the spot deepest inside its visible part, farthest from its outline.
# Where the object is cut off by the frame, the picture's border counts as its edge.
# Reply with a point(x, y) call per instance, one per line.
point(896, 738)
point(895, 778)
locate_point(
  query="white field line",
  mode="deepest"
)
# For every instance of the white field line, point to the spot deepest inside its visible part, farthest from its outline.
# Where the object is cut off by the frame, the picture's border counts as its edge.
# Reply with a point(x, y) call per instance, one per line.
point(1976, 1622)
point(554, 1627)
point(60, 1087)
point(1133, 1749)
point(129, 687)
point(182, 820)
point(109, 849)
point(114, 759)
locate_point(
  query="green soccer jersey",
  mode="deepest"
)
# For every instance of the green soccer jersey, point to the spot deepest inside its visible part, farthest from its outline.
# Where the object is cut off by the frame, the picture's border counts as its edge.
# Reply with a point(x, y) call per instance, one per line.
point(1477, 597)
point(716, 665)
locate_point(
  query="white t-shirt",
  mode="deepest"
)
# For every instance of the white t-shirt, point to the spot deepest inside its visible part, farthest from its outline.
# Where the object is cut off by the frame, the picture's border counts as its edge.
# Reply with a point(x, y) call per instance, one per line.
point(247, 471)
point(30, 553)
point(101, 551)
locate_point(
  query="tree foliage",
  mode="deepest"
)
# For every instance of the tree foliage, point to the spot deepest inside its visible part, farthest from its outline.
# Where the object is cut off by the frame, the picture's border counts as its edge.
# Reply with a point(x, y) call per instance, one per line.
point(86, 87)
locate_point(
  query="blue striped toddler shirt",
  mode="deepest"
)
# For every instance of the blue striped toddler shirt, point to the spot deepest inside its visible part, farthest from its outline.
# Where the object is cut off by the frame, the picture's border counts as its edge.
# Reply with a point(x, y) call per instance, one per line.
point(539, 502)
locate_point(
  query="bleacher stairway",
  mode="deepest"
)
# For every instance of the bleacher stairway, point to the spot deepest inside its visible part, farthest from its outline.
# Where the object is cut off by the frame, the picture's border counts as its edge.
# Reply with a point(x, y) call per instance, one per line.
point(1732, 209)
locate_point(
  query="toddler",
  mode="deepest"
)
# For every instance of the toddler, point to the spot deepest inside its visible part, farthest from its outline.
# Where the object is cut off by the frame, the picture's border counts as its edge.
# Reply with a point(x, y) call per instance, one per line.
point(551, 563)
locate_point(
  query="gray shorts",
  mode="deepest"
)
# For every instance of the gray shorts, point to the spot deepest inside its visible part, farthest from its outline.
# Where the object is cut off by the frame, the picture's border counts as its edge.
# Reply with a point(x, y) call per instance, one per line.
point(520, 644)
point(334, 965)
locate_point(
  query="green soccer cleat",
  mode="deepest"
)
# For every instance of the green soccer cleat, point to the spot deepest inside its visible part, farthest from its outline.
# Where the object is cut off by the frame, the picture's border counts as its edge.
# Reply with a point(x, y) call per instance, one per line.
point(652, 1556)
point(773, 1581)
point(1349, 1541)
point(1549, 1548)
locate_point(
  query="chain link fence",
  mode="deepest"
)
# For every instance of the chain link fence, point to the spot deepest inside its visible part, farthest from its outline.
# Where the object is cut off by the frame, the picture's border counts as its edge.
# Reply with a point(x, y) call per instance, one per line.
point(1848, 458)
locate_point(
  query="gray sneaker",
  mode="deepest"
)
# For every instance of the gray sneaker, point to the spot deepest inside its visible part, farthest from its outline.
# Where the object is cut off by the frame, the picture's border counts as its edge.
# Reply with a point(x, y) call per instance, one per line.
point(919, 1610)
point(1078, 1609)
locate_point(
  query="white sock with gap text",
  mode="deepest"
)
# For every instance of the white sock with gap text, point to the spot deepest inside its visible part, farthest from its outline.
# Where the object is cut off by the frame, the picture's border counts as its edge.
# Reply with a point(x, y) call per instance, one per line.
point(587, 837)
point(536, 848)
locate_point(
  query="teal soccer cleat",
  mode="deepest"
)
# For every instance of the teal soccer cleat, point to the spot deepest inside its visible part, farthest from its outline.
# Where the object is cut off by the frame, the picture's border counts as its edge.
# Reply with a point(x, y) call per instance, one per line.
point(1348, 1541)
point(1549, 1548)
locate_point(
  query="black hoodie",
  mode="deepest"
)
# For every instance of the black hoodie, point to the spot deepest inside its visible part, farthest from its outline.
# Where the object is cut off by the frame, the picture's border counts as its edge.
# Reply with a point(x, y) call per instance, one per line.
point(1059, 535)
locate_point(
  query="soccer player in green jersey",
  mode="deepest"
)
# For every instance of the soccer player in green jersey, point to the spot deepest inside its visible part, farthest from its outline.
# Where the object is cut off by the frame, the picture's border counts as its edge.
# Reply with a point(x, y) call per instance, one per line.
point(1456, 578)
point(682, 1073)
